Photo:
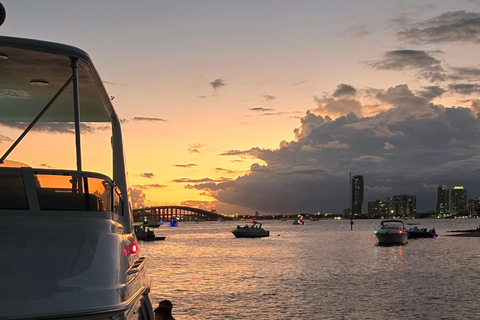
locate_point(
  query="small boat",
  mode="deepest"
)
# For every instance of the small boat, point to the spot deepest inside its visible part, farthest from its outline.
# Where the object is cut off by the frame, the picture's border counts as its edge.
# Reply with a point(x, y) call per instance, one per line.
point(144, 232)
point(173, 223)
point(299, 221)
point(254, 230)
point(391, 232)
point(415, 233)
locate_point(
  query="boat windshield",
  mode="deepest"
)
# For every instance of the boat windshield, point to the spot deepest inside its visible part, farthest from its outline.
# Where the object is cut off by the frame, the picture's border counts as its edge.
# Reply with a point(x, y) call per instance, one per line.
point(58, 191)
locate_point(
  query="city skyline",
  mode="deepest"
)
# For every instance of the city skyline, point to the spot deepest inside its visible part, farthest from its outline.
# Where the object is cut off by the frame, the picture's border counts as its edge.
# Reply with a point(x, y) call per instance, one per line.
point(268, 106)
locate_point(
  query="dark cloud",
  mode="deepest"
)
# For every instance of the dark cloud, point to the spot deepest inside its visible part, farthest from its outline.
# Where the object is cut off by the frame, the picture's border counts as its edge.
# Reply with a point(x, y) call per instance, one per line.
point(465, 88)
point(344, 90)
point(204, 180)
point(190, 165)
point(148, 119)
point(410, 148)
point(431, 92)
point(217, 83)
point(148, 175)
point(407, 59)
point(55, 127)
point(458, 26)
point(269, 97)
point(260, 109)
point(228, 171)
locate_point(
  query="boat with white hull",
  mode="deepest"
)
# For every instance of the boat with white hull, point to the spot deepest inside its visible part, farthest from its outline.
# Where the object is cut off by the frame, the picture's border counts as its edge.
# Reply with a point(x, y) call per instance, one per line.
point(391, 232)
point(68, 245)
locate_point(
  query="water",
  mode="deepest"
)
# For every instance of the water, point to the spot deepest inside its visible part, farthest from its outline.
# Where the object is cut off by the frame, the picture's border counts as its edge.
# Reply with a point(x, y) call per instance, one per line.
point(322, 270)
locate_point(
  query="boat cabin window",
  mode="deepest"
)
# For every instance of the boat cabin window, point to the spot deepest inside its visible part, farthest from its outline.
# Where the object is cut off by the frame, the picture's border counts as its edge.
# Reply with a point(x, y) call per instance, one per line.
point(75, 193)
point(12, 191)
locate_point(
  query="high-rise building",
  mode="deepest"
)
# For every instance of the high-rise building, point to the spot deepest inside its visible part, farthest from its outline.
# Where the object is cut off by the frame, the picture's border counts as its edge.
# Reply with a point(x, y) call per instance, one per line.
point(403, 205)
point(377, 209)
point(357, 195)
point(443, 200)
point(459, 203)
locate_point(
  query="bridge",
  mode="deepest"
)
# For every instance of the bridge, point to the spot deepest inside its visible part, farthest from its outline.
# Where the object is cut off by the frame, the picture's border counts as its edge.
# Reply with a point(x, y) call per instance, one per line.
point(181, 213)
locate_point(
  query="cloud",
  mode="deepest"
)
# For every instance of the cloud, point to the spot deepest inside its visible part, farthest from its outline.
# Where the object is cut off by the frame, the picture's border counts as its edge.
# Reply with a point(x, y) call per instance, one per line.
point(457, 26)
point(217, 83)
point(138, 197)
point(260, 109)
point(344, 90)
point(55, 127)
point(358, 31)
point(149, 186)
point(148, 119)
point(148, 175)
point(5, 139)
point(195, 147)
point(411, 145)
point(431, 92)
point(269, 97)
point(465, 88)
point(190, 165)
point(407, 59)
point(203, 180)
point(337, 107)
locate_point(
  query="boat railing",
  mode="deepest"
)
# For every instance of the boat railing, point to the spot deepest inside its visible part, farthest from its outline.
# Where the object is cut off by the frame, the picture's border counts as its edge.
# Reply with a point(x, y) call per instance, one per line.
point(57, 190)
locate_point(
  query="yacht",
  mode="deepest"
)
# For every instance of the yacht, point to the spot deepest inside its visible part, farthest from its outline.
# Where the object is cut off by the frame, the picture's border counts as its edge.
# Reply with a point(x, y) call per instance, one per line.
point(391, 232)
point(69, 249)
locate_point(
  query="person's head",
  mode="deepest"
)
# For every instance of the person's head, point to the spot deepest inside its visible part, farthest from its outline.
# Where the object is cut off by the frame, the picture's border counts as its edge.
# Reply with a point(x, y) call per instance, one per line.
point(166, 303)
point(163, 313)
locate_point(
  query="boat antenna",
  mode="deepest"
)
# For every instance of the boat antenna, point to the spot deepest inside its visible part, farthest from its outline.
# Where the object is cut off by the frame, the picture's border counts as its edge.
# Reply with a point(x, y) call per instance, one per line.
point(3, 14)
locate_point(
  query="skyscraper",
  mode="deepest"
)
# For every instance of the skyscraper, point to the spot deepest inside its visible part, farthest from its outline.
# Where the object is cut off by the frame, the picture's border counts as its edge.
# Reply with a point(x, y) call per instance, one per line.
point(459, 201)
point(443, 200)
point(357, 195)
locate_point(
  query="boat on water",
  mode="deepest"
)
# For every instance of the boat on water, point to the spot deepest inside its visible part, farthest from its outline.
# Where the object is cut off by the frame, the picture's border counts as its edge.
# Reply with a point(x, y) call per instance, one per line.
point(76, 254)
point(253, 230)
point(391, 232)
point(144, 231)
point(415, 232)
point(173, 223)
point(299, 221)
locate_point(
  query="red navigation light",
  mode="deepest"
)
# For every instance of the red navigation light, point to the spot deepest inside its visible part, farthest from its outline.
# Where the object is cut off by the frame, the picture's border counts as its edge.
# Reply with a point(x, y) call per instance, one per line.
point(133, 248)
point(400, 231)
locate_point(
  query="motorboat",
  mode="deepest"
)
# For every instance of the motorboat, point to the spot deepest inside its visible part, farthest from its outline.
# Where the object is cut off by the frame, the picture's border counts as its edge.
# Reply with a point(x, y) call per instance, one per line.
point(299, 221)
point(415, 232)
point(173, 223)
point(76, 255)
point(253, 230)
point(145, 231)
point(391, 232)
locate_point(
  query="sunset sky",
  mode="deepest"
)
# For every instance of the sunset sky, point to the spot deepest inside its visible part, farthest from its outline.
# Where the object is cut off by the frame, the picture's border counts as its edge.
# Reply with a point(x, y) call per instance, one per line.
point(269, 105)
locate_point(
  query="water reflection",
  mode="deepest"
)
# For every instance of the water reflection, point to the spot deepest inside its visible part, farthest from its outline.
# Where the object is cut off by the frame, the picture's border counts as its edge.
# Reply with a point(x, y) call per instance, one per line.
point(322, 270)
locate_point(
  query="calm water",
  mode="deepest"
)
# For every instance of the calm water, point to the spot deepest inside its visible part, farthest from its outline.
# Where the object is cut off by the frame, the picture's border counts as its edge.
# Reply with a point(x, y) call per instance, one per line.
point(322, 270)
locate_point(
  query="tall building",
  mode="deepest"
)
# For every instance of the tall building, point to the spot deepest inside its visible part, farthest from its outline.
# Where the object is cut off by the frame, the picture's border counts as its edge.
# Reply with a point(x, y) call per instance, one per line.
point(443, 200)
point(377, 209)
point(403, 205)
point(459, 203)
point(357, 195)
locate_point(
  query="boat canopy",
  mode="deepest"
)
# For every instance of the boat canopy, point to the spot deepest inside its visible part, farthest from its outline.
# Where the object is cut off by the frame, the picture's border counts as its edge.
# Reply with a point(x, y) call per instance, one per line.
point(33, 71)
